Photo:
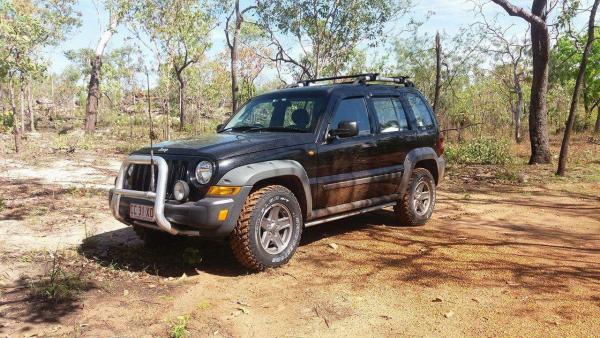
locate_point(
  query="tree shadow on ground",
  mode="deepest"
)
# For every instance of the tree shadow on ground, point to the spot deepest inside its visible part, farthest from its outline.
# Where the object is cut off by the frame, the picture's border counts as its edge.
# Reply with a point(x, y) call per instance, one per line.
point(21, 304)
point(462, 248)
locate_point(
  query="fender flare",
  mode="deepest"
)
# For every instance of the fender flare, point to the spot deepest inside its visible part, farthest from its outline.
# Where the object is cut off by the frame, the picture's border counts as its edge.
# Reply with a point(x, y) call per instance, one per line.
point(250, 174)
point(412, 158)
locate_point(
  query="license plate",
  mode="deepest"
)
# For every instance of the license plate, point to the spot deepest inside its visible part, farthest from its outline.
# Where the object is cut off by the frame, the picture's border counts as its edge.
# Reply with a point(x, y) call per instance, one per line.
point(141, 212)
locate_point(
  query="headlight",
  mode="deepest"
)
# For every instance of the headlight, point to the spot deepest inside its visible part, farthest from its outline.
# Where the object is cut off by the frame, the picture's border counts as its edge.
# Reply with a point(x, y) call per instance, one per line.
point(204, 172)
point(181, 190)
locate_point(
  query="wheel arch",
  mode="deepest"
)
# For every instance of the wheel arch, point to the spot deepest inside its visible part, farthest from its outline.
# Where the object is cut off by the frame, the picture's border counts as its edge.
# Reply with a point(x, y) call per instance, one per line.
point(288, 173)
point(424, 157)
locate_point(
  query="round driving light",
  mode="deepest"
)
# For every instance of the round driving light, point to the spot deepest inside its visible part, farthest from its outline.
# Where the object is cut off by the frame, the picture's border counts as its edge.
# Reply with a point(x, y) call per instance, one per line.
point(204, 172)
point(181, 190)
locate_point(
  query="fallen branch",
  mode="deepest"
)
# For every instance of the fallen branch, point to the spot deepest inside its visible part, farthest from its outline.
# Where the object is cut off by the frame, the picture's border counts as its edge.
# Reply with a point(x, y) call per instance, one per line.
point(461, 128)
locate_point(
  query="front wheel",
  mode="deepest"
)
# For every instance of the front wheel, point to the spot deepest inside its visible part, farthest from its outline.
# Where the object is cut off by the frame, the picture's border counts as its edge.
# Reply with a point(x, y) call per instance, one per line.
point(416, 206)
point(268, 229)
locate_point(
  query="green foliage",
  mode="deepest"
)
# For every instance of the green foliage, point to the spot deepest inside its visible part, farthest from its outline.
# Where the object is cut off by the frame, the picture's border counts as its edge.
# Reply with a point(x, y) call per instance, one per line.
point(480, 151)
point(565, 61)
point(332, 28)
point(179, 327)
point(27, 27)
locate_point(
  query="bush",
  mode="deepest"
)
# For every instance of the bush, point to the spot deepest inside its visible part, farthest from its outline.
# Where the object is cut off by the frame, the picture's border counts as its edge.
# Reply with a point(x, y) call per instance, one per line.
point(6, 121)
point(480, 151)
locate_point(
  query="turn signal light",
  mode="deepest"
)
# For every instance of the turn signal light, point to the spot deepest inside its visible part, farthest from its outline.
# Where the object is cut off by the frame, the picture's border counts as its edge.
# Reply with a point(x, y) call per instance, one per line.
point(217, 190)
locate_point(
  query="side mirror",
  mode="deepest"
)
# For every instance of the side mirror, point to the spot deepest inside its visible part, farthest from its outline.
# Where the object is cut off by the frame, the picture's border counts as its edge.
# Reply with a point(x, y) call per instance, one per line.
point(219, 127)
point(345, 129)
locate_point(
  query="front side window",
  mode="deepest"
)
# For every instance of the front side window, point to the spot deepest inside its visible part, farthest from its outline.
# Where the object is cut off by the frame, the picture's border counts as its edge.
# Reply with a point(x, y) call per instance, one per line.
point(352, 110)
point(277, 114)
point(390, 114)
point(419, 108)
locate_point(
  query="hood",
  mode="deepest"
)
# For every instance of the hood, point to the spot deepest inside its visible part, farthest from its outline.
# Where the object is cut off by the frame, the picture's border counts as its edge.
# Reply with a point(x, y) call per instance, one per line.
point(226, 145)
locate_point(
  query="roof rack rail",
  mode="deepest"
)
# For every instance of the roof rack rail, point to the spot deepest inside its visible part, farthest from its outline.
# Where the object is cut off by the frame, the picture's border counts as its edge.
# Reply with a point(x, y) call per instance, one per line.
point(359, 78)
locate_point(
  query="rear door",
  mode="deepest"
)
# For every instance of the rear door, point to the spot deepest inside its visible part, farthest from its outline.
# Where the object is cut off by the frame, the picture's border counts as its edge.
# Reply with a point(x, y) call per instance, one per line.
point(424, 120)
point(393, 140)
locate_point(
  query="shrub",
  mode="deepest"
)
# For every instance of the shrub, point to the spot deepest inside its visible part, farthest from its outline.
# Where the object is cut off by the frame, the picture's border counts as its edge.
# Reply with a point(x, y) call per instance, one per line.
point(179, 327)
point(6, 121)
point(480, 151)
point(58, 285)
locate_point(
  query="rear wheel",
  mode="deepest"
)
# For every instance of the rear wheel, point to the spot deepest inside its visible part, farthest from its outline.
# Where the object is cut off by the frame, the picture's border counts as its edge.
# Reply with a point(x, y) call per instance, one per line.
point(418, 201)
point(268, 229)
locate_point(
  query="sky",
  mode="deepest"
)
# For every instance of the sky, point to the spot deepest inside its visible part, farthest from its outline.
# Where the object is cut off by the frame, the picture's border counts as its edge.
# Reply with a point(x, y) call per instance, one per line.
point(446, 16)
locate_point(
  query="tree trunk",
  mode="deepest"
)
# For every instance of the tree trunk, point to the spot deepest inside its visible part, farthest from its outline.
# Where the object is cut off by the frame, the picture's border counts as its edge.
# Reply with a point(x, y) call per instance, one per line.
point(93, 98)
point(597, 127)
point(233, 50)
point(540, 50)
point(586, 105)
point(438, 72)
point(52, 95)
point(30, 105)
point(22, 103)
point(538, 109)
point(13, 106)
point(564, 149)
point(518, 112)
point(182, 117)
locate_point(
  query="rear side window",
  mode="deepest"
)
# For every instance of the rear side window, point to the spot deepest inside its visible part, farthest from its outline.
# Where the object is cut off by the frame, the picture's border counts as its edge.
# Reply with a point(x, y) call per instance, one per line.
point(390, 114)
point(419, 108)
point(352, 110)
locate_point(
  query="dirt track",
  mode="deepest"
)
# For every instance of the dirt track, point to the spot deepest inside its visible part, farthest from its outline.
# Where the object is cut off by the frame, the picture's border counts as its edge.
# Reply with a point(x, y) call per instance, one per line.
point(494, 261)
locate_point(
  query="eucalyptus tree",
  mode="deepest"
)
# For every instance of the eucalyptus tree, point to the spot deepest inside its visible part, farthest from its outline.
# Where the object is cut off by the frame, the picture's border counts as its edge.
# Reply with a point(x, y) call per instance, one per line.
point(26, 27)
point(233, 28)
point(325, 32)
point(566, 58)
point(179, 29)
point(587, 49)
point(510, 52)
point(540, 51)
point(117, 10)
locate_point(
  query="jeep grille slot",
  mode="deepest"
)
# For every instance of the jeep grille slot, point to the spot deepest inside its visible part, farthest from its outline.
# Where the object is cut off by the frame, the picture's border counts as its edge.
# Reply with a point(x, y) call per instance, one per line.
point(139, 176)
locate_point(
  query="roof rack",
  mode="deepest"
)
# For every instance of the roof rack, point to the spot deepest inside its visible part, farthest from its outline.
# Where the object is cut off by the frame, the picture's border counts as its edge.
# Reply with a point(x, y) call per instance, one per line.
point(359, 78)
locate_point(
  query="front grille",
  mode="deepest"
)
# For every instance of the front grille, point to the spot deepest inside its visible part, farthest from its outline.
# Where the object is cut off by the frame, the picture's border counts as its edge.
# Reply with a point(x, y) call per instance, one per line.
point(139, 176)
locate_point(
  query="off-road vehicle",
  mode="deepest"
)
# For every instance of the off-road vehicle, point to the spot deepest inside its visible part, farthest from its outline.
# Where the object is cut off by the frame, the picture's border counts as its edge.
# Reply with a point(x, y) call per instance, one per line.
point(286, 160)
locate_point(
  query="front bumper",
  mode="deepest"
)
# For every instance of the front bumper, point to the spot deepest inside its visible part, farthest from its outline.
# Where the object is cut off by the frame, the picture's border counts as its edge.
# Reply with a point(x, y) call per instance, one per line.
point(199, 218)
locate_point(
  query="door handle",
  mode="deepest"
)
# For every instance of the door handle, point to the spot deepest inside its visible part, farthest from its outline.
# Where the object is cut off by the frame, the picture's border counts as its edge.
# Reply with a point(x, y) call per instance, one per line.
point(367, 145)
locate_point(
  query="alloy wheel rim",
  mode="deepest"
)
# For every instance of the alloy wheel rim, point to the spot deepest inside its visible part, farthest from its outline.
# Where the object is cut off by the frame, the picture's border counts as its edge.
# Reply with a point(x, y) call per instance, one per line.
point(422, 198)
point(275, 232)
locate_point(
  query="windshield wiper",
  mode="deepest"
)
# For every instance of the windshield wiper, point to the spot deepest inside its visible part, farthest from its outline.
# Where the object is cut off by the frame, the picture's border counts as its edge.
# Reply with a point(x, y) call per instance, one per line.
point(284, 129)
point(239, 128)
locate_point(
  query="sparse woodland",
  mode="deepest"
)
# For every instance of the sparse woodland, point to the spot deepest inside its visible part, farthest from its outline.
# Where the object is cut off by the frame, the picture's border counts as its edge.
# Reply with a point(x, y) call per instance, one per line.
point(487, 80)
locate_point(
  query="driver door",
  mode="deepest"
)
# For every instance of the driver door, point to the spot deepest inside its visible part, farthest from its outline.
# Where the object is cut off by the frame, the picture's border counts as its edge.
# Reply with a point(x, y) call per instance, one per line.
point(342, 162)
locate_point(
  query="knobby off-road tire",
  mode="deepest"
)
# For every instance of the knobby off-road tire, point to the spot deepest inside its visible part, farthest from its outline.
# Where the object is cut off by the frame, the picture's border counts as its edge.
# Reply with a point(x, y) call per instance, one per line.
point(267, 212)
point(416, 206)
point(153, 239)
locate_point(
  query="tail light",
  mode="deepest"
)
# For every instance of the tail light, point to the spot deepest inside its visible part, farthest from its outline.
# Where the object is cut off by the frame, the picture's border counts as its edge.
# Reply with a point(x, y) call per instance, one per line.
point(439, 149)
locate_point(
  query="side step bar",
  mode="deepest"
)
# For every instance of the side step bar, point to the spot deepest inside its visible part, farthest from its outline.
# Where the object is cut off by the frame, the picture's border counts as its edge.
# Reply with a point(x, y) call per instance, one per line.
point(348, 214)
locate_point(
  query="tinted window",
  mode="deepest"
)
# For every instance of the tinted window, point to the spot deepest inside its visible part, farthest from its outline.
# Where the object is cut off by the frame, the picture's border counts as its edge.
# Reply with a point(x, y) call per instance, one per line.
point(390, 114)
point(420, 110)
point(352, 110)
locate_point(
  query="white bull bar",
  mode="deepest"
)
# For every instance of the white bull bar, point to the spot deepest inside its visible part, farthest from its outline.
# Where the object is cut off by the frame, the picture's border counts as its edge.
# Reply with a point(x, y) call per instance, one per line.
point(158, 197)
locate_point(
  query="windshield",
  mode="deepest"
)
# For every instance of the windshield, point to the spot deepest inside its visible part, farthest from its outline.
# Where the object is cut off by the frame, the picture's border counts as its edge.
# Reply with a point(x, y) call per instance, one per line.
point(278, 114)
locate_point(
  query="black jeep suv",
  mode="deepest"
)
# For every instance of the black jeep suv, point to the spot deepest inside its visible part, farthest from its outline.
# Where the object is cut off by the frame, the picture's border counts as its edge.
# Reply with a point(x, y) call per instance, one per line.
point(289, 159)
